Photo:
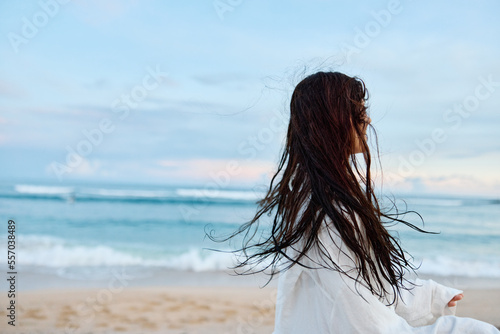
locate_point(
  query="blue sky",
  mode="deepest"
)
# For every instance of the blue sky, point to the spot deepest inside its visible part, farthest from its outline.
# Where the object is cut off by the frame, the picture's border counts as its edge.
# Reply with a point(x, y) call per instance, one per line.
point(190, 93)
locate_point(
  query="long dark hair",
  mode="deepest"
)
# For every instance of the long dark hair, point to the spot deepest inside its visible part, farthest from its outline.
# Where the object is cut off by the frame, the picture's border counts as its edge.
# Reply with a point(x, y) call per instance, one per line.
point(319, 177)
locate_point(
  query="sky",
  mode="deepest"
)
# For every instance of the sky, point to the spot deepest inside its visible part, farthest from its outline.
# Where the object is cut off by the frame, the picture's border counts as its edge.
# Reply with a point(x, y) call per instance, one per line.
point(197, 93)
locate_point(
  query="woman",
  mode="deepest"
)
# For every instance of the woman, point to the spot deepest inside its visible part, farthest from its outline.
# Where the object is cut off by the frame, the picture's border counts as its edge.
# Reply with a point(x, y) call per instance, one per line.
point(340, 270)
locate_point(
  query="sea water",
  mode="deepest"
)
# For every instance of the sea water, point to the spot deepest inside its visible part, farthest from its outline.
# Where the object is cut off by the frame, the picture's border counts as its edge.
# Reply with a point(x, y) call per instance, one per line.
point(76, 231)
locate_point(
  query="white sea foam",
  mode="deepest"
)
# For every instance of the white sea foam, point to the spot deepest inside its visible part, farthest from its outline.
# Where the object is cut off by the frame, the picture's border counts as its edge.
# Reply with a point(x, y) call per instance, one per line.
point(56, 253)
point(435, 201)
point(219, 193)
point(51, 252)
point(123, 194)
point(446, 266)
point(42, 190)
point(127, 193)
point(198, 260)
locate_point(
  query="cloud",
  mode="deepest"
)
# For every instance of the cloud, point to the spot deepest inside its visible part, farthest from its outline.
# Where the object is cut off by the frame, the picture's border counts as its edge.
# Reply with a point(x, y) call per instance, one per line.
point(475, 152)
point(457, 185)
point(86, 168)
point(221, 173)
point(9, 89)
point(224, 172)
point(97, 13)
point(192, 105)
point(97, 84)
point(221, 78)
point(159, 106)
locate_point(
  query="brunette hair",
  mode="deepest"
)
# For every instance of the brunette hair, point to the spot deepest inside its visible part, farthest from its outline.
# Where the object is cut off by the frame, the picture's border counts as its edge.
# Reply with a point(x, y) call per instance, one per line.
point(319, 176)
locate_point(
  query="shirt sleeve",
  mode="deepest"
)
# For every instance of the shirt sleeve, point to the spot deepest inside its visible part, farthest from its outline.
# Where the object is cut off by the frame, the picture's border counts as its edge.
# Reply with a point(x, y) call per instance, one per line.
point(425, 302)
point(352, 313)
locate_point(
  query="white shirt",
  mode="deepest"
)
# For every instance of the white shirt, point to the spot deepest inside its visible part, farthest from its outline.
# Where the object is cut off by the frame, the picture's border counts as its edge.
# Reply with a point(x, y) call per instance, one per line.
point(317, 301)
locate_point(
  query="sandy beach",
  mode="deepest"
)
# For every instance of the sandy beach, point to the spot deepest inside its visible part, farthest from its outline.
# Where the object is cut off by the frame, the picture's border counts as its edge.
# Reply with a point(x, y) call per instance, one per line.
point(181, 309)
point(146, 310)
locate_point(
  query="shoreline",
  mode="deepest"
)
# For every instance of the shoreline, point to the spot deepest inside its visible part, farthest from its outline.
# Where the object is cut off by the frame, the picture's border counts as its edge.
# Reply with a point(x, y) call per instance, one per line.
point(35, 278)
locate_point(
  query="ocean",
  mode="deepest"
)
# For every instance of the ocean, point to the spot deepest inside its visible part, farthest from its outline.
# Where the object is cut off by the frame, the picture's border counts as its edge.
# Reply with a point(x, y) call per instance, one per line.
point(81, 231)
